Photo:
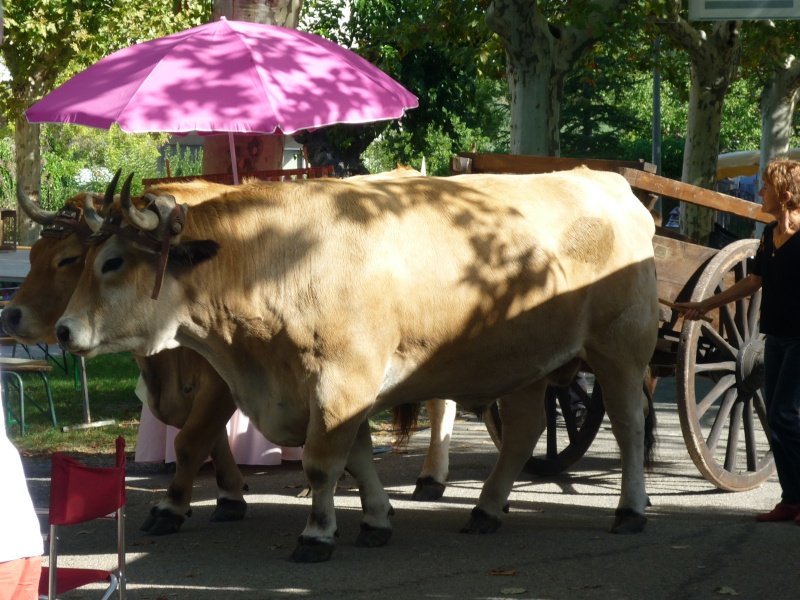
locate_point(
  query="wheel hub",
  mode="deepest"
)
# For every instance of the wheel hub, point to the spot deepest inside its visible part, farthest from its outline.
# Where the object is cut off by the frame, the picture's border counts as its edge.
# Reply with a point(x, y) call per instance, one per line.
point(750, 364)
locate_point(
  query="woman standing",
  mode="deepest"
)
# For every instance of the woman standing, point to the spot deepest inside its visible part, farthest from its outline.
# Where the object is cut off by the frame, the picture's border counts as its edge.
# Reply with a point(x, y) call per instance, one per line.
point(776, 270)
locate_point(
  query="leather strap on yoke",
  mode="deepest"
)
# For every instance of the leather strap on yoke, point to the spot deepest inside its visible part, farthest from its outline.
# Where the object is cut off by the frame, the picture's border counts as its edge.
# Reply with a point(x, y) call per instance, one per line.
point(67, 221)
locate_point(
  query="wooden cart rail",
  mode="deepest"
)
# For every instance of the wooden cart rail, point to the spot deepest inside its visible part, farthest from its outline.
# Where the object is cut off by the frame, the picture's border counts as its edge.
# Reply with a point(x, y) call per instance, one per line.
point(476, 162)
point(685, 192)
point(639, 174)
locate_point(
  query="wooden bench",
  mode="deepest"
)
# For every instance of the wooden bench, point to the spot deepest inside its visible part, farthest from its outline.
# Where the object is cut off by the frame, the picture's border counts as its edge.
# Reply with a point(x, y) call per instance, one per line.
point(11, 373)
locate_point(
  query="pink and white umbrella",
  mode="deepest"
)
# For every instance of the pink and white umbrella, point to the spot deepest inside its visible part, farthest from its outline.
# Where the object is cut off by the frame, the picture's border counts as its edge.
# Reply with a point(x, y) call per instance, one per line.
point(227, 76)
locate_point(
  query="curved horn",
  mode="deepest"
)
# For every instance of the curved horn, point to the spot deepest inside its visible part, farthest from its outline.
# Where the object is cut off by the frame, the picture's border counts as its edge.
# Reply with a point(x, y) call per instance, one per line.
point(90, 214)
point(36, 213)
point(141, 219)
point(112, 187)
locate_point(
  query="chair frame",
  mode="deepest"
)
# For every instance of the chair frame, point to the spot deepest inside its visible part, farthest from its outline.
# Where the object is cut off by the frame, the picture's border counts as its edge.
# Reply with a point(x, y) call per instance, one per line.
point(116, 578)
point(11, 372)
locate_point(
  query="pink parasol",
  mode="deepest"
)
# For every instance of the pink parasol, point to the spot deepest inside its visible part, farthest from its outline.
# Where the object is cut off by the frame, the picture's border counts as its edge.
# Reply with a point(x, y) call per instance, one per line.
point(227, 76)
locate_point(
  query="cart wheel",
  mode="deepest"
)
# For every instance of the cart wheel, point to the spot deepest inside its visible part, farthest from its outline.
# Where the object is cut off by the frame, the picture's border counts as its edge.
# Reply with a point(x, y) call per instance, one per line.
point(720, 376)
point(576, 428)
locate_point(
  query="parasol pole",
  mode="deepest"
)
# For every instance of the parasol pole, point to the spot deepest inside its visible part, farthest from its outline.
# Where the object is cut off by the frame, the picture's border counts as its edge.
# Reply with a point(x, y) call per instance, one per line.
point(234, 168)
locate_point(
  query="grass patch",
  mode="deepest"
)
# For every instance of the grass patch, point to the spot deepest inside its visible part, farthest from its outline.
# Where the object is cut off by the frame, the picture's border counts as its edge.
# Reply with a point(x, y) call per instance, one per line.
point(111, 383)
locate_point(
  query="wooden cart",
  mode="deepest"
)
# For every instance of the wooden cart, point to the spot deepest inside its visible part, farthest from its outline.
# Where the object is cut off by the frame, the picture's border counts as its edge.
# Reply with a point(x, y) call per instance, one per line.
point(718, 365)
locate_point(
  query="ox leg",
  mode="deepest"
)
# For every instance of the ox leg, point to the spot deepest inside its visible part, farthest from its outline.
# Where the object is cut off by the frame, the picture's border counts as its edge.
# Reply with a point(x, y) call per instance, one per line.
point(432, 480)
point(325, 456)
point(324, 459)
point(625, 406)
point(231, 505)
point(202, 434)
point(375, 526)
point(523, 418)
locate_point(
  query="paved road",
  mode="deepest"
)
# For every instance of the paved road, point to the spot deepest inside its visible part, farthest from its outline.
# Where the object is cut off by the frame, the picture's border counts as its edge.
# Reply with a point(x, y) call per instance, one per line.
point(699, 542)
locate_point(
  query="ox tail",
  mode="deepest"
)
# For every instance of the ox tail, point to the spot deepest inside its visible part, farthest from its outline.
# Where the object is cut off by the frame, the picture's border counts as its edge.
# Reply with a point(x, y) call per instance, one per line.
point(404, 421)
point(649, 423)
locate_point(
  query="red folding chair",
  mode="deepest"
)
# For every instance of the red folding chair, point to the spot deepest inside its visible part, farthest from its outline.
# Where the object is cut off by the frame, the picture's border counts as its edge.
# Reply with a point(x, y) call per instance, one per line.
point(79, 493)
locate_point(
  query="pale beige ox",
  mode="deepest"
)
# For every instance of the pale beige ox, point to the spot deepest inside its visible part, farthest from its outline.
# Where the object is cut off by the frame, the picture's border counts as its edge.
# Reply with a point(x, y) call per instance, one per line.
point(432, 481)
point(322, 302)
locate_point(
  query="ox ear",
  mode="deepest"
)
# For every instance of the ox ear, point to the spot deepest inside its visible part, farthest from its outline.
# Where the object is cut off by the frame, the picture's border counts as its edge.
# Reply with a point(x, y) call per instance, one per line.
point(193, 252)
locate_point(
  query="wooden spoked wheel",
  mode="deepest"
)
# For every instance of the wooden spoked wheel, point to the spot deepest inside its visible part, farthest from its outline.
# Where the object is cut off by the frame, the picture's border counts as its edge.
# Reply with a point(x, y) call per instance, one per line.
point(720, 376)
point(570, 430)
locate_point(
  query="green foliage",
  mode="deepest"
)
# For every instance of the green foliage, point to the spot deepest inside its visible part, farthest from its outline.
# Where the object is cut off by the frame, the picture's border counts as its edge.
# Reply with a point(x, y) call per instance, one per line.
point(7, 169)
point(69, 151)
point(441, 51)
point(183, 163)
point(76, 159)
point(438, 143)
point(741, 119)
point(47, 41)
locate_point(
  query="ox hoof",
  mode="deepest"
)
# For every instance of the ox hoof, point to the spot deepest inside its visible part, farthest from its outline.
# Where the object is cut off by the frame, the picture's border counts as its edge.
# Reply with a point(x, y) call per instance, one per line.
point(372, 537)
point(481, 522)
point(428, 490)
point(628, 521)
point(162, 522)
point(228, 510)
point(312, 550)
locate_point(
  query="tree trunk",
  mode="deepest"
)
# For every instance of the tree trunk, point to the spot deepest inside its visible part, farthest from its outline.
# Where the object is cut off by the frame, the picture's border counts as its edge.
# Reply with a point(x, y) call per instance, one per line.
point(700, 156)
point(285, 13)
point(539, 55)
point(714, 60)
point(253, 152)
point(28, 162)
point(778, 103)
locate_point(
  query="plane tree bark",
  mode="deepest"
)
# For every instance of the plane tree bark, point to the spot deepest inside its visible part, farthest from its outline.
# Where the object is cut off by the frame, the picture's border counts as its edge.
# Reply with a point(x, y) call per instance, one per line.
point(714, 55)
point(770, 61)
point(778, 105)
point(540, 52)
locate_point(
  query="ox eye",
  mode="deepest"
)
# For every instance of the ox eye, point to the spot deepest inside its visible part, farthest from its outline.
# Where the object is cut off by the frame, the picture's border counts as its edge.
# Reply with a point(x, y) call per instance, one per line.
point(70, 260)
point(112, 264)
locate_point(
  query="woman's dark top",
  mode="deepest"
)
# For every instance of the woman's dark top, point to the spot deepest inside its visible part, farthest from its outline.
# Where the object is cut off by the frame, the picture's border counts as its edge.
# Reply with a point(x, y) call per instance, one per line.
point(779, 270)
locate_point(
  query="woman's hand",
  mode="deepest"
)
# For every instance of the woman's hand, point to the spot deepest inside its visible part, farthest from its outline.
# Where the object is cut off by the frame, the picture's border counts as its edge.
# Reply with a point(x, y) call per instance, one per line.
point(692, 311)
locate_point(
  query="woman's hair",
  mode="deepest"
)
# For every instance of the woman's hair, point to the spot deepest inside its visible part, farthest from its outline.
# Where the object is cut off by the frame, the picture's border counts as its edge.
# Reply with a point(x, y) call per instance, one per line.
point(784, 176)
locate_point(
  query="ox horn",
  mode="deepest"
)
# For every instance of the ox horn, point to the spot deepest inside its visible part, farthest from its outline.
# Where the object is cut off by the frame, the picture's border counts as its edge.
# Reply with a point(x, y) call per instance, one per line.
point(144, 219)
point(36, 213)
point(90, 214)
point(112, 188)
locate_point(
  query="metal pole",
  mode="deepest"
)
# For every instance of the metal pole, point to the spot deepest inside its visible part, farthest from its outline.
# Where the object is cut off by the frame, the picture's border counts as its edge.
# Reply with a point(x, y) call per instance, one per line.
point(87, 415)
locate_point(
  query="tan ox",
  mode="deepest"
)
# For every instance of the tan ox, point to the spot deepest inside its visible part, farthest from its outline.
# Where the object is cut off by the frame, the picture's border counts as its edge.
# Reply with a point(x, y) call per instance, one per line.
point(322, 302)
point(183, 390)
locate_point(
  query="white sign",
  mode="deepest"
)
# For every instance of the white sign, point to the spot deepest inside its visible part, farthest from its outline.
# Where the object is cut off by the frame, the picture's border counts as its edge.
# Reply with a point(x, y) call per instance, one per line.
point(743, 10)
